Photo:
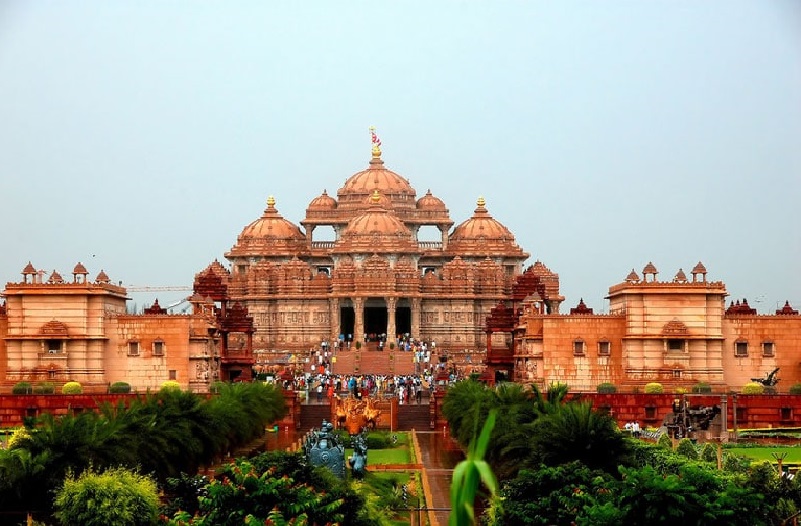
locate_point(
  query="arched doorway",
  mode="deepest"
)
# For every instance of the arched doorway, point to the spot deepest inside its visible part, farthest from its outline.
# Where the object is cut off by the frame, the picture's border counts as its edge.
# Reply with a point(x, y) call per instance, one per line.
point(403, 318)
point(347, 320)
point(375, 318)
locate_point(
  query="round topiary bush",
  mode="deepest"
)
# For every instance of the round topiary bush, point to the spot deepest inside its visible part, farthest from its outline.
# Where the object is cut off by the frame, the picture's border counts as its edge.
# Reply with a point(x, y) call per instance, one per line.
point(795, 389)
point(654, 388)
point(119, 388)
point(44, 388)
point(606, 388)
point(680, 390)
point(753, 388)
point(170, 384)
point(665, 441)
point(702, 388)
point(687, 449)
point(72, 388)
point(709, 452)
point(22, 388)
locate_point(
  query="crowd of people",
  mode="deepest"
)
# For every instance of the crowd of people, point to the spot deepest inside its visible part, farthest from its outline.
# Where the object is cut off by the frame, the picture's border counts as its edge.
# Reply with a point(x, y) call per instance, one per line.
point(320, 387)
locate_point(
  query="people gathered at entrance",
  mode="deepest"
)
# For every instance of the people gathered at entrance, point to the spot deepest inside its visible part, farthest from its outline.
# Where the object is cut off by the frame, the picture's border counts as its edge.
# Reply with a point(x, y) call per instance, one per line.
point(409, 389)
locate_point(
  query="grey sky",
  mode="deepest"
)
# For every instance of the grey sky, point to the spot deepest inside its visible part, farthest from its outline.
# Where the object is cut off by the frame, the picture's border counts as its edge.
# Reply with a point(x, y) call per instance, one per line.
point(141, 137)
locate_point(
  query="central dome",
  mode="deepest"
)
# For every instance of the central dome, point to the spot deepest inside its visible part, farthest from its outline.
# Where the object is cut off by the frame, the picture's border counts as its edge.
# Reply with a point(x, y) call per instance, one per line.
point(361, 185)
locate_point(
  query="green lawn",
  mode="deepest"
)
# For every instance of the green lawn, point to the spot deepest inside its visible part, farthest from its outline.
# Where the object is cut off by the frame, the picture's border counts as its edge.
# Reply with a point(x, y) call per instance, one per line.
point(397, 455)
point(766, 453)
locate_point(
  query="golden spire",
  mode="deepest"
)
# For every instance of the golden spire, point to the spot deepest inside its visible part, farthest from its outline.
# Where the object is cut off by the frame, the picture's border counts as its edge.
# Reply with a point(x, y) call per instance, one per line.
point(481, 202)
point(270, 202)
point(376, 197)
point(376, 142)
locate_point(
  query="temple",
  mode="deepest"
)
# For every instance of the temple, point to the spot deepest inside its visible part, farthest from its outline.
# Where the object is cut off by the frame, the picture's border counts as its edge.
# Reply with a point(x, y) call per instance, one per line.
point(375, 266)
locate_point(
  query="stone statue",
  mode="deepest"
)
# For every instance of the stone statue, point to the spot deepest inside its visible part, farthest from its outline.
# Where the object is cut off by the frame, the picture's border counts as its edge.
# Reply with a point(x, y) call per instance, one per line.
point(770, 380)
point(323, 449)
point(358, 460)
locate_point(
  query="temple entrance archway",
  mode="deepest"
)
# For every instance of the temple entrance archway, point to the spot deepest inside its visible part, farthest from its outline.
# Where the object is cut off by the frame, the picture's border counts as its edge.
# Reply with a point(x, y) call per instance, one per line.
point(403, 318)
point(347, 320)
point(375, 318)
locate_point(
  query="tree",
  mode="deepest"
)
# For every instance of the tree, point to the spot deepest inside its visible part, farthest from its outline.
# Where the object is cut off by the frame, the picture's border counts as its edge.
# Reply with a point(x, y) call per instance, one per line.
point(116, 496)
point(577, 432)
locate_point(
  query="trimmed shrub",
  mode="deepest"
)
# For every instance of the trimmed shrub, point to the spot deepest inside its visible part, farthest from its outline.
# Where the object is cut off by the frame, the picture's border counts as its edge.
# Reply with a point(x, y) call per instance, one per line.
point(654, 388)
point(687, 449)
point(702, 388)
point(795, 389)
point(665, 441)
point(606, 388)
point(116, 496)
point(170, 384)
point(71, 388)
point(22, 388)
point(709, 452)
point(753, 388)
point(680, 390)
point(120, 388)
point(44, 388)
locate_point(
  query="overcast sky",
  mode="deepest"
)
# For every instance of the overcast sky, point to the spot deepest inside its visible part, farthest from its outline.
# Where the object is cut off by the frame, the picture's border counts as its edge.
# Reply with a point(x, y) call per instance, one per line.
point(141, 137)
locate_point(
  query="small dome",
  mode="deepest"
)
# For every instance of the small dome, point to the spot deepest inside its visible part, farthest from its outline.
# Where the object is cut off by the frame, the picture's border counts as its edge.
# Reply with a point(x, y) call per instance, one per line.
point(480, 227)
point(680, 277)
point(55, 279)
point(29, 269)
point(80, 269)
point(376, 221)
point(632, 277)
point(323, 202)
point(649, 269)
point(272, 226)
point(699, 269)
point(430, 202)
point(102, 277)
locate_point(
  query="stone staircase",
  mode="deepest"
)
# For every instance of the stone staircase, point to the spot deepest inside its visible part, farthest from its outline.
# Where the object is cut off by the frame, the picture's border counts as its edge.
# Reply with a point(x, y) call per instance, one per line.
point(374, 362)
point(312, 415)
point(414, 416)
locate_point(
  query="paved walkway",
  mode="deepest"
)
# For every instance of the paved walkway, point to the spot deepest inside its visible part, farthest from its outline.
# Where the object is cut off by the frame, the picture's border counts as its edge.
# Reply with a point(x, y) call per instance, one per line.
point(438, 454)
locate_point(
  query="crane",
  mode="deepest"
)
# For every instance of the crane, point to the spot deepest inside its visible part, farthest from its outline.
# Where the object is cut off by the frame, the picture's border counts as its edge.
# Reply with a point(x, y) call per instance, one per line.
point(149, 288)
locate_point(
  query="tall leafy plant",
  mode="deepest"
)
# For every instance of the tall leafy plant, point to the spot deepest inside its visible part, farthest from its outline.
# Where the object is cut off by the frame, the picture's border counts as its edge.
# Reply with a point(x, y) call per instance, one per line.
point(469, 474)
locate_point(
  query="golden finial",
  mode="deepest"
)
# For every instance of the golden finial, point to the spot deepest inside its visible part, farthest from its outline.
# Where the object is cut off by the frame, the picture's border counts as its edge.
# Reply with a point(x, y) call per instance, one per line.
point(481, 202)
point(270, 202)
point(376, 142)
point(376, 197)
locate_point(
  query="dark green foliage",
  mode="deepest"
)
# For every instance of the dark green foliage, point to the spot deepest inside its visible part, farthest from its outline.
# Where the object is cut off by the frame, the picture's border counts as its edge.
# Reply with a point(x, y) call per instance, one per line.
point(577, 432)
point(665, 441)
point(163, 435)
point(115, 496)
point(606, 388)
point(22, 388)
point(245, 496)
point(709, 453)
point(119, 388)
point(795, 389)
point(702, 388)
point(687, 449)
point(44, 388)
point(550, 495)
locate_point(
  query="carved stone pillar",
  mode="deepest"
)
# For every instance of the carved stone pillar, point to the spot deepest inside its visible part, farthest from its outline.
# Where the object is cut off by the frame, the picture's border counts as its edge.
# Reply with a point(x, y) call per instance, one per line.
point(358, 325)
point(443, 230)
point(392, 305)
point(416, 307)
point(333, 317)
